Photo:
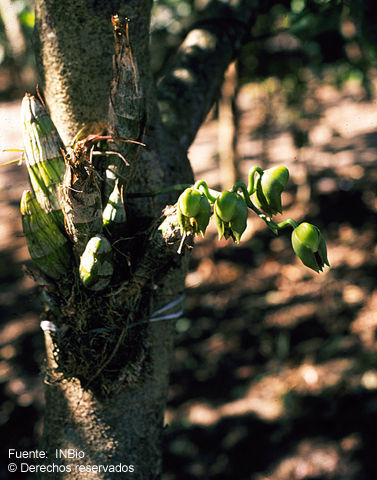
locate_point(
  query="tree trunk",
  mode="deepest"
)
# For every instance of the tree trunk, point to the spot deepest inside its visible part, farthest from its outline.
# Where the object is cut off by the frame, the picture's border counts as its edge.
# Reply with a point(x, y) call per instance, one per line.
point(125, 428)
point(228, 124)
point(112, 410)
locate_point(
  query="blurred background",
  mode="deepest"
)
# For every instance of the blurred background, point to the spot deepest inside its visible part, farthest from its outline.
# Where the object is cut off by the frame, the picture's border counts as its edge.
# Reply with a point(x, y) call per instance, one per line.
point(274, 374)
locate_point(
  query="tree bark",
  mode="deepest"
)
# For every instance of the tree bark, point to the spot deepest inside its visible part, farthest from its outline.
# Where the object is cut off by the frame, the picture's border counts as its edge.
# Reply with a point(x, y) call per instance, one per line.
point(228, 129)
point(74, 46)
point(124, 429)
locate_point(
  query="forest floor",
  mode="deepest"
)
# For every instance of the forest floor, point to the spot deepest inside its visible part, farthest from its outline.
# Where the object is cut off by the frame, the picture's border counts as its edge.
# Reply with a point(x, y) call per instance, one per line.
point(274, 373)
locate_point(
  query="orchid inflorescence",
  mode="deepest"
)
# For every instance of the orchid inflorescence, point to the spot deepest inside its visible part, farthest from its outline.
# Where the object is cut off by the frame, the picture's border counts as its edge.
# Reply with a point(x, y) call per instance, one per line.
point(230, 210)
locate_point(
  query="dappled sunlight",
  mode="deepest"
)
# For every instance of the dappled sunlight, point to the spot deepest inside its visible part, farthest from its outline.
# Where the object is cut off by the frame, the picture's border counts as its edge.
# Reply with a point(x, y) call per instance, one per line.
point(289, 316)
point(369, 380)
point(365, 324)
point(266, 398)
point(24, 325)
point(310, 459)
point(345, 255)
point(220, 273)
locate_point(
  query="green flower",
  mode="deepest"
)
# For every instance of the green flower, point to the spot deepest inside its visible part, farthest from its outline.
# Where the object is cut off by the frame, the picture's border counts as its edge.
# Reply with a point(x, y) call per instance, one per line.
point(269, 189)
point(309, 245)
point(230, 215)
point(194, 211)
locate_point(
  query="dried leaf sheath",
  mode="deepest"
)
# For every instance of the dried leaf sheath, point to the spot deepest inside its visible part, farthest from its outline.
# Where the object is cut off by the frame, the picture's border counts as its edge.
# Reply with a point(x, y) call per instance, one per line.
point(127, 103)
point(48, 247)
point(80, 198)
point(43, 155)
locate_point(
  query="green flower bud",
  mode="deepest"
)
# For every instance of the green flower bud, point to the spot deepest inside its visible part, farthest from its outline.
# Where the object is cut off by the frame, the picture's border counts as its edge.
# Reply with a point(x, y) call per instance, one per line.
point(309, 245)
point(189, 202)
point(239, 221)
point(202, 218)
point(230, 215)
point(269, 189)
point(194, 211)
point(225, 205)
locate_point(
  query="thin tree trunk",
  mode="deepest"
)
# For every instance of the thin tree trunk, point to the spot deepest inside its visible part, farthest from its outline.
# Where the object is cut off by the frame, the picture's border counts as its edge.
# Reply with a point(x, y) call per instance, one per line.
point(114, 412)
point(76, 75)
point(13, 30)
point(228, 129)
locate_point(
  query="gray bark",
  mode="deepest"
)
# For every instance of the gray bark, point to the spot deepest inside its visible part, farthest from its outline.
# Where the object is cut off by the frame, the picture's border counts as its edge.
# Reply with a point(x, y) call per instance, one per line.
point(74, 46)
